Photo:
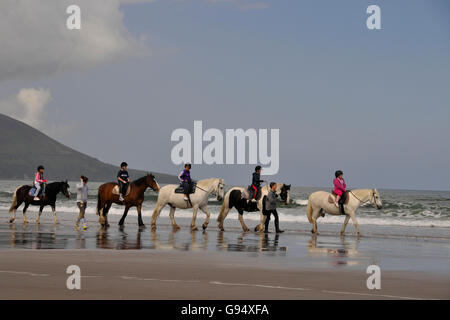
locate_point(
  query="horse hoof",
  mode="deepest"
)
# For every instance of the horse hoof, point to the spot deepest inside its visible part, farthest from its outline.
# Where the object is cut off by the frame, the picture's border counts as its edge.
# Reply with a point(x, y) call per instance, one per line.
point(142, 226)
point(204, 227)
point(153, 228)
point(11, 220)
point(121, 227)
point(222, 229)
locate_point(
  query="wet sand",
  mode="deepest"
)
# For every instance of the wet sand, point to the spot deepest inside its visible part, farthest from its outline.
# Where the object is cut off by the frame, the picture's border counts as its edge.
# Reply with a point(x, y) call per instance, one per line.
point(141, 264)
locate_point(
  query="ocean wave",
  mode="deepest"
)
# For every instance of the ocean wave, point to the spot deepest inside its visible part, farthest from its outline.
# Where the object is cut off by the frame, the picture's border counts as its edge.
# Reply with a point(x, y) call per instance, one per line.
point(287, 216)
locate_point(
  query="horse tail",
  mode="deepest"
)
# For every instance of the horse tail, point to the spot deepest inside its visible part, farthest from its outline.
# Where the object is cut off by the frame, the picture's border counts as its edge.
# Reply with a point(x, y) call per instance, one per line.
point(14, 200)
point(222, 210)
point(309, 210)
point(226, 201)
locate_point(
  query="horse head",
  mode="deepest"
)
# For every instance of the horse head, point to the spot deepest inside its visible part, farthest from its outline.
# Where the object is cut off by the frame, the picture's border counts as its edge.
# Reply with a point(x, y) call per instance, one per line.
point(284, 193)
point(151, 182)
point(220, 189)
point(375, 199)
point(65, 189)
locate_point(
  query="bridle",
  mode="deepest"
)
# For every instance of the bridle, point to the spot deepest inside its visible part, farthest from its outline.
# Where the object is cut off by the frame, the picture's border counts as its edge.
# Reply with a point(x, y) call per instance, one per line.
point(370, 199)
point(214, 193)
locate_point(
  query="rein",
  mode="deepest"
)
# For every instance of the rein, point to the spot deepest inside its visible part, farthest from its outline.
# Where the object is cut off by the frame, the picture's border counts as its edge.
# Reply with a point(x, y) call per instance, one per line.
point(197, 187)
point(373, 196)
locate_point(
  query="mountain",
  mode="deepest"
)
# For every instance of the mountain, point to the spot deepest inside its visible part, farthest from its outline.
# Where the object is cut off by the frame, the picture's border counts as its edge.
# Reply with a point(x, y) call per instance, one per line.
point(23, 148)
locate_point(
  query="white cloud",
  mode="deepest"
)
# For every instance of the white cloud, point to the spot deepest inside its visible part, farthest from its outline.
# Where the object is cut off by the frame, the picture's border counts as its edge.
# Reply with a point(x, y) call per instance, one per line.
point(35, 41)
point(27, 106)
point(31, 107)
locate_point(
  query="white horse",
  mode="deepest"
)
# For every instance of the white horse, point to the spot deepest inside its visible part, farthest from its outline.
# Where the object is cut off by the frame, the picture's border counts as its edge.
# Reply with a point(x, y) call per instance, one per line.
point(233, 199)
point(199, 200)
point(320, 203)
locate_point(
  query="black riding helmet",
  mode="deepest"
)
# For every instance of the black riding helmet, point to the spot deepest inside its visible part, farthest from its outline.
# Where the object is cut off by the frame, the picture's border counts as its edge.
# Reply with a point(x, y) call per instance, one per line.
point(257, 168)
point(40, 167)
point(124, 164)
point(338, 173)
point(188, 165)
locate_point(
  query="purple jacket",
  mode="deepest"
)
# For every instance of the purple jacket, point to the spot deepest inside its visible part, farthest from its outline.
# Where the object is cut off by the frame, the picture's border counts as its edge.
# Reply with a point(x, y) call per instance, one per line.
point(185, 175)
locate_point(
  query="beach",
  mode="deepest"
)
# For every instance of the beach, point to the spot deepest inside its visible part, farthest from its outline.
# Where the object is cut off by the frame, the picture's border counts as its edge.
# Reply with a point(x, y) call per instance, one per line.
point(130, 263)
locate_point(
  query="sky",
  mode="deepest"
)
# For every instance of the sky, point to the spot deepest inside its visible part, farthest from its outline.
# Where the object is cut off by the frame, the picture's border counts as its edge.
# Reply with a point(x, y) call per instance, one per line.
point(373, 103)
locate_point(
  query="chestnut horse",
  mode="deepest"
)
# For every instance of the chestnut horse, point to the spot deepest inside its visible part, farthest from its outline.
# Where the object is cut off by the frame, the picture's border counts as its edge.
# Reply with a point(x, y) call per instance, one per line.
point(106, 198)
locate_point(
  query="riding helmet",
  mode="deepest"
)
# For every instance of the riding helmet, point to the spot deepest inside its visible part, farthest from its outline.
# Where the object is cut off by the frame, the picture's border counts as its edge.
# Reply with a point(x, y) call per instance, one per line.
point(257, 168)
point(40, 167)
point(338, 173)
point(188, 165)
point(124, 164)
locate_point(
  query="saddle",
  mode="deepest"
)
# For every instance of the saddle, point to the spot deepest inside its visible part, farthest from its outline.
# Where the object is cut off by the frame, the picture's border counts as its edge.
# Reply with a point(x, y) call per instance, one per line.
point(251, 195)
point(33, 190)
point(116, 190)
point(342, 201)
point(332, 197)
point(180, 189)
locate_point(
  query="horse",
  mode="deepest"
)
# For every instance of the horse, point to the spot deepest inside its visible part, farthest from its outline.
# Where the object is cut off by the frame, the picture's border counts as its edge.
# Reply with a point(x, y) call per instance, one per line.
point(21, 195)
point(198, 200)
point(319, 204)
point(135, 198)
point(233, 198)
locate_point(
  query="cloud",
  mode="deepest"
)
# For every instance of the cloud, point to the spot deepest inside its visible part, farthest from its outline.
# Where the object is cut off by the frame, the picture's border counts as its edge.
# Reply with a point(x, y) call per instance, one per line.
point(35, 41)
point(31, 107)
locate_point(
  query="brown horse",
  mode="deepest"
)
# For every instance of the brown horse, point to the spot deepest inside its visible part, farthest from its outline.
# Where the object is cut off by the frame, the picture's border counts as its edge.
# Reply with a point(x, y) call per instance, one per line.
point(106, 198)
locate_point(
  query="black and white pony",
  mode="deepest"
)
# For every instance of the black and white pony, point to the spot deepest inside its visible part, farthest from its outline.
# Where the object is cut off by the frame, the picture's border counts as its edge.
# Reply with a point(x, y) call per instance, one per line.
point(236, 198)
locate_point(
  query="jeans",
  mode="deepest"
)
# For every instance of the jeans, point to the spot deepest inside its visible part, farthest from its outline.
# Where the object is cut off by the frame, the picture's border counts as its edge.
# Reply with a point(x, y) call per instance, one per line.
point(38, 189)
point(267, 213)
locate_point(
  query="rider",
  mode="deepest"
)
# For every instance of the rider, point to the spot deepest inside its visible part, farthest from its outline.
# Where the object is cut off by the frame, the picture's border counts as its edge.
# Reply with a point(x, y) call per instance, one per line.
point(339, 186)
point(256, 183)
point(185, 180)
point(38, 181)
point(123, 179)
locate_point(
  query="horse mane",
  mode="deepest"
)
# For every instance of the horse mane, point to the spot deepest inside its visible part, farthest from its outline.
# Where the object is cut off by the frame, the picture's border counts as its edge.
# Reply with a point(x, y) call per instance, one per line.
point(139, 182)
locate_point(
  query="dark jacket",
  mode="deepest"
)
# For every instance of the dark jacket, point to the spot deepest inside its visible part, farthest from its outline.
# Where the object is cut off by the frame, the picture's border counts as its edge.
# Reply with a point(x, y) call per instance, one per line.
point(256, 180)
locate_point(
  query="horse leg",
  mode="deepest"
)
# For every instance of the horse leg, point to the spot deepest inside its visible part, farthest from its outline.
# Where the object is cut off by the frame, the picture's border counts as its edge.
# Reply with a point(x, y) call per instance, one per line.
point(172, 218)
point(314, 217)
point(19, 203)
point(54, 214)
point(222, 217)
point(25, 212)
point(262, 221)
point(124, 215)
point(194, 217)
point(155, 215)
point(355, 223)
point(241, 220)
point(347, 217)
point(205, 224)
point(38, 220)
point(105, 213)
point(140, 222)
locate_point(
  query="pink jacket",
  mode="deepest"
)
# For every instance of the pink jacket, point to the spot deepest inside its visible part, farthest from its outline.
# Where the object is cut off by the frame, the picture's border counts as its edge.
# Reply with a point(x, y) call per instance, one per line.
point(37, 178)
point(339, 187)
